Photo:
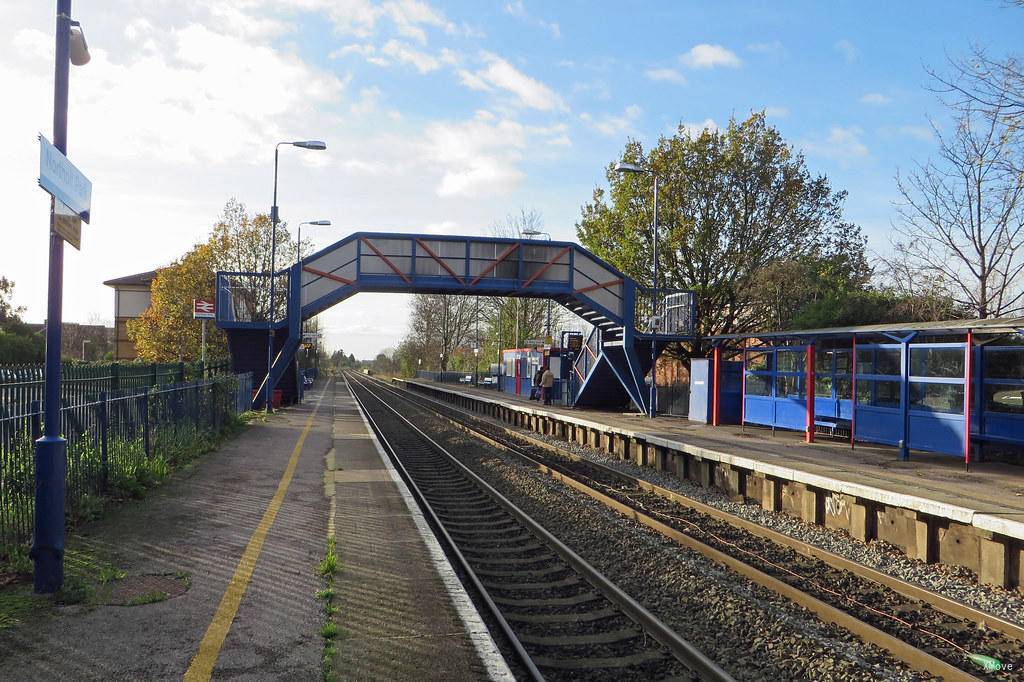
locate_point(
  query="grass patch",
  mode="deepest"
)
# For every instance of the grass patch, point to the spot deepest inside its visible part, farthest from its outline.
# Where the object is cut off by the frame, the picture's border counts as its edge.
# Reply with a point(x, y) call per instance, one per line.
point(328, 566)
point(14, 560)
point(16, 606)
point(77, 590)
point(148, 598)
point(109, 574)
point(329, 631)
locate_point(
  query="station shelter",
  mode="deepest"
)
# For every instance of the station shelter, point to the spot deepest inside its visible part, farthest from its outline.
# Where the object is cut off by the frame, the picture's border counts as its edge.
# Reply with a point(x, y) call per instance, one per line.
point(518, 366)
point(948, 387)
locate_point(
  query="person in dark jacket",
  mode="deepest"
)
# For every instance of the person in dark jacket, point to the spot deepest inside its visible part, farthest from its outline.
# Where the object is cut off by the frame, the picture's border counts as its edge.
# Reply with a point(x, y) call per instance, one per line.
point(535, 389)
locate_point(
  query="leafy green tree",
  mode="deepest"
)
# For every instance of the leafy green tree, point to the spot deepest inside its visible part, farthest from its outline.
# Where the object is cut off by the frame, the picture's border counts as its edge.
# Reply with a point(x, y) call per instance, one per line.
point(733, 204)
point(17, 343)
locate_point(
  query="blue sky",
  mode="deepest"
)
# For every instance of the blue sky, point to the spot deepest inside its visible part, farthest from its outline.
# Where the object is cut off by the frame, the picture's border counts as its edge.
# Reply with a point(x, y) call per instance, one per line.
point(445, 117)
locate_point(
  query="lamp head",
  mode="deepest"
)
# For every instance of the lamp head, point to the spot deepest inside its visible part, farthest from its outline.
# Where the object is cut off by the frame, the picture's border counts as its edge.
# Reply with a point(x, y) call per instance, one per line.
point(321, 223)
point(310, 144)
point(624, 167)
point(531, 232)
point(79, 49)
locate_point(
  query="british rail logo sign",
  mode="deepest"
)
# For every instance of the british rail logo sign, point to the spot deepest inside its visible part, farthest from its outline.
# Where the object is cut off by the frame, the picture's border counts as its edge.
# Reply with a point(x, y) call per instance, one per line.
point(63, 181)
point(203, 309)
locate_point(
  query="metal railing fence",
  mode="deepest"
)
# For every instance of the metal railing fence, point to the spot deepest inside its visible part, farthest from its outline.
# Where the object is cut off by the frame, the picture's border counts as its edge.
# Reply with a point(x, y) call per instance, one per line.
point(81, 382)
point(111, 438)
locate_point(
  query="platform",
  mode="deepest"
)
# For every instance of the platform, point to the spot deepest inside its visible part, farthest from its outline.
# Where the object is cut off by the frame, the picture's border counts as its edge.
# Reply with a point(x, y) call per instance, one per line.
point(929, 506)
point(402, 610)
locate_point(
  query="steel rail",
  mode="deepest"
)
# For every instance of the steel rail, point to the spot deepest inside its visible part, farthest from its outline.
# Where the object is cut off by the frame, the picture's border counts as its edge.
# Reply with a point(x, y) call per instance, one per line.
point(914, 657)
point(435, 522)
point(950, 607)
point(680, 648)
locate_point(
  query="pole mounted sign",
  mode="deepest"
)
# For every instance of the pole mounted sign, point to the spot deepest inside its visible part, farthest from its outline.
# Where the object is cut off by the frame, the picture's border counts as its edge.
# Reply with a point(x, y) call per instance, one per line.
point(203, 309)
point(70, 189)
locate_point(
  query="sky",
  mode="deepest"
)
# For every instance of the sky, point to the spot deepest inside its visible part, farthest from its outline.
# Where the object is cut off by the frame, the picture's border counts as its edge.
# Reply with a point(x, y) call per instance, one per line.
point(440, 117)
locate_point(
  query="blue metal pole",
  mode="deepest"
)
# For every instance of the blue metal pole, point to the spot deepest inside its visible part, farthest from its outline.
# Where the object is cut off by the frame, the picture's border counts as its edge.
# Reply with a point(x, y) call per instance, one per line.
point(51, 450)
point(653, 400)
point(273, 265)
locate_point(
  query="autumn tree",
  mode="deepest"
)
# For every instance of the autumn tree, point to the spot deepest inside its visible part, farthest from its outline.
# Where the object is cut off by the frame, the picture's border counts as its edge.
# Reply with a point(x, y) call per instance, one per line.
point(166, 331)
point(738, 210)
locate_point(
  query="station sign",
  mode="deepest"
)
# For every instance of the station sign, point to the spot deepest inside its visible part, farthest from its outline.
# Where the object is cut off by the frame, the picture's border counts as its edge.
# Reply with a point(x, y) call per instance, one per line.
point(67, 224)
point(203, 309)
point(63, 181)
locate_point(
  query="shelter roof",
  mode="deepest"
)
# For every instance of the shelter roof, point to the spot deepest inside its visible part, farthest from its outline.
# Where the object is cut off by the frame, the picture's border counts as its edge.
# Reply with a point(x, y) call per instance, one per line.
point(139, 279)
point(992, 325)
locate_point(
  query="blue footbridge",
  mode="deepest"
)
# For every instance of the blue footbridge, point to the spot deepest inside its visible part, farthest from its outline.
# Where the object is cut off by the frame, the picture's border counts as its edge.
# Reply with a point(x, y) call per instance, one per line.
point(610, 370)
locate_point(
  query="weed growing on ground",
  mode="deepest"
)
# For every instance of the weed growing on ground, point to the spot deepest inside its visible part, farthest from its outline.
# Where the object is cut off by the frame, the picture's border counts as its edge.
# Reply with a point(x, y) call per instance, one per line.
point(14, 559)
point(77, 590)
point(15, 606)
point(89, 507)
point(148, 598)
point(109, 574)
point(327, 569)
point(329, 565)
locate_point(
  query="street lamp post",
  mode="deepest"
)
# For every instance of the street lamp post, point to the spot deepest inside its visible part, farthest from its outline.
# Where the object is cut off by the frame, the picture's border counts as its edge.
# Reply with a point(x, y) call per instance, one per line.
point(624, 167)
point(274, 219)
point(51, 450)
point(298, 240)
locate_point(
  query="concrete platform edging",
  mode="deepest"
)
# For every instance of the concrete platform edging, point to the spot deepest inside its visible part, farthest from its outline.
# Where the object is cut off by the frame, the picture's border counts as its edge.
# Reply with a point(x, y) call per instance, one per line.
point(486, 648)
point(926, 529)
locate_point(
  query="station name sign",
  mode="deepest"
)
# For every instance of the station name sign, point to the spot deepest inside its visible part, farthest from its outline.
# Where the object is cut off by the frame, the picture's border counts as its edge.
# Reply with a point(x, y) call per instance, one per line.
point(63, 180)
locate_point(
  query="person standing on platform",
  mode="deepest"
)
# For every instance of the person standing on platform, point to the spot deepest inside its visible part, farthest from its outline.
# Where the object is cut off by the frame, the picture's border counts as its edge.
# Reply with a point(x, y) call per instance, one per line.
point(535, 387)
point(547, 381)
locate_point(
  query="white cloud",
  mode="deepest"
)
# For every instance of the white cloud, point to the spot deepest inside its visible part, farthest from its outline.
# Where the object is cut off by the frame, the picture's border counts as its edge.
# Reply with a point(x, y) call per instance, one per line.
point(874, 98)
point(918, 132)
point(405, 54)
point(367, 103)
point(516, 9)
point(500, 75)
point(841, 144)
point(771, 48)
point(478, 156)
point(614, 125)
point(666, 76)
point(848, 50)
point(695, 129)
point(776, 112)
point(705, 56)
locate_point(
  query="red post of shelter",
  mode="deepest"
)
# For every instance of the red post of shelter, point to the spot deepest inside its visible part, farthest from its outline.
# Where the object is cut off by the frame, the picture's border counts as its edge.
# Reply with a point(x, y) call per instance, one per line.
point(853, 393)
point(968, 380)
point(716, 375)
point(809, 388)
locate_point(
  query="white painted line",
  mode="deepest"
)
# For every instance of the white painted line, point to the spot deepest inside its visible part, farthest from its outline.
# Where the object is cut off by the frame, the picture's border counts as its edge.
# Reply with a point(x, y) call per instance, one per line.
point(486, 649)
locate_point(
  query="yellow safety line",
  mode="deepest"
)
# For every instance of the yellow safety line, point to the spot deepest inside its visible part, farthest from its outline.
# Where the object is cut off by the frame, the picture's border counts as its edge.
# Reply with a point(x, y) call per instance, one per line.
point(205, 659)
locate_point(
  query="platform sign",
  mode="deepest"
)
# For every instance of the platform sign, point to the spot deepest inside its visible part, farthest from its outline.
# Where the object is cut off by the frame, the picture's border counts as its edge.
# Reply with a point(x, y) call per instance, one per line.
point(203, 309)
point(533, 343)
point(63, 180)
point(67, 224)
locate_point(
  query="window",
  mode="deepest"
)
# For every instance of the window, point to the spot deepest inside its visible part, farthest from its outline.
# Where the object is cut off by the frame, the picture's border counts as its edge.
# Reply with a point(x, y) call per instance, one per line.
point(758, 384)
point(878, 393)
point(844, 388)
point(948, 398)
point(823, 361)
point(936, 362)
point(1004, 363)
point(878, 361)
point(823, 386)
point(843, 358)
point(788, 386)
point(1007, 398)
point(759, 362)
point(791, 360)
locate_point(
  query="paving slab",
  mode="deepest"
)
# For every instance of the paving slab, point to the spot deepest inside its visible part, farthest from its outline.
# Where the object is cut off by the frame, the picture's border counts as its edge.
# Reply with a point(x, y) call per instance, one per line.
point(402, 614)
point(200, 522)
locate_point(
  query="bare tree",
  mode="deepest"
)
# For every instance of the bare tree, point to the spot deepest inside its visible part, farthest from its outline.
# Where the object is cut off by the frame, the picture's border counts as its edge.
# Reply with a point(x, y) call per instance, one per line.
point(441, 324)
point(961, 220)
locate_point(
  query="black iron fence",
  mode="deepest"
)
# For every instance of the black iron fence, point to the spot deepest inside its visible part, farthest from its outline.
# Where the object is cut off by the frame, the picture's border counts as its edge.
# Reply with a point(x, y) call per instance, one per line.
point(114, 441)
point(81, 381)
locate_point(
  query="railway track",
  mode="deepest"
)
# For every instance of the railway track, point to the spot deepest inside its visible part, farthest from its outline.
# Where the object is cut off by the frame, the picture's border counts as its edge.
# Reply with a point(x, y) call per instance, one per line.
point(561, 617)
point(927, 631)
